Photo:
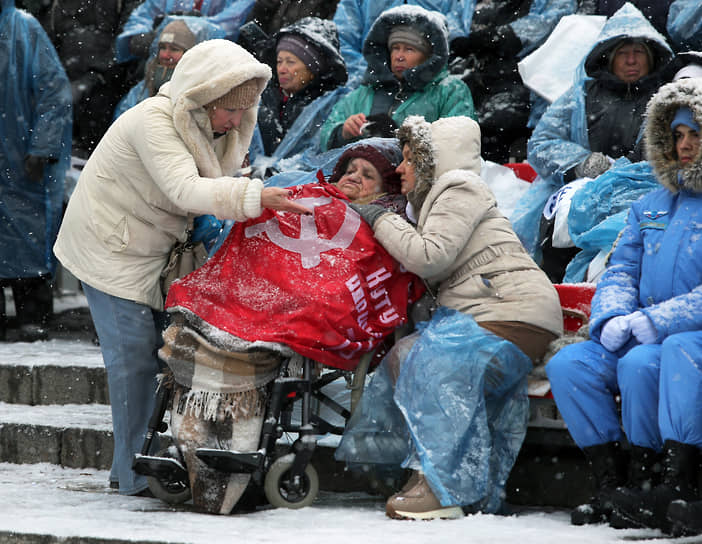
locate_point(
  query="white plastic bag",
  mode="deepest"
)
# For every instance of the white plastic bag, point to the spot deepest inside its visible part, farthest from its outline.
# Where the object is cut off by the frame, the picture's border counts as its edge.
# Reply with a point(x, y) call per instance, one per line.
point(548, 71)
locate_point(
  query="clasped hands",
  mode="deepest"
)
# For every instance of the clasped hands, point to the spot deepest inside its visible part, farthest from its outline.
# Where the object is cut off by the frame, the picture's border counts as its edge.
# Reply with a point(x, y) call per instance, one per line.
point(617, 331)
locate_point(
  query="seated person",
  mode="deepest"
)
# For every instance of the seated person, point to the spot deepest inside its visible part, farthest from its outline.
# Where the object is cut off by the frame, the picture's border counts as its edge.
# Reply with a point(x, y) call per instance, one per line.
point(645, 337)
point(354, 18)
point(597, 120)
point(407, 55)
point(178, 35)
point(333, 298)
point(271, 16)
point(308, 67)
point(497, 313)
point(140, 29)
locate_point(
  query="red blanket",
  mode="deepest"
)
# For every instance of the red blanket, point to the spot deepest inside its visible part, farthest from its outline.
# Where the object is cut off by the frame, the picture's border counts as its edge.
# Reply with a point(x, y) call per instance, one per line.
point(319, 284)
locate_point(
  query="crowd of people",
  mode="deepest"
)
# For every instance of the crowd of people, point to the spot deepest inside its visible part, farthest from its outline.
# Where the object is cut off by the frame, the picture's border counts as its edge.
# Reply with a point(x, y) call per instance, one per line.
point(202, 104)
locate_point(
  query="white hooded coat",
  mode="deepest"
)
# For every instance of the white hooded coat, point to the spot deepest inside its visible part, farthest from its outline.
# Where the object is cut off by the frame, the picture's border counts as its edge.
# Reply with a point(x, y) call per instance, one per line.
point(156, 164)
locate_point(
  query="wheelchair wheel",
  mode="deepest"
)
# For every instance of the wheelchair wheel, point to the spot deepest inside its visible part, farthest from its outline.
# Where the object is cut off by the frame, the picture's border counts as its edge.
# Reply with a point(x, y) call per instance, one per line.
point(169, 490)
point(282, 492)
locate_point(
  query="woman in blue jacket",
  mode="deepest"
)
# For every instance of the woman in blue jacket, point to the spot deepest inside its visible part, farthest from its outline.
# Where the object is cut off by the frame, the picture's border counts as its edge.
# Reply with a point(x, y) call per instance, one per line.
point(646, 335)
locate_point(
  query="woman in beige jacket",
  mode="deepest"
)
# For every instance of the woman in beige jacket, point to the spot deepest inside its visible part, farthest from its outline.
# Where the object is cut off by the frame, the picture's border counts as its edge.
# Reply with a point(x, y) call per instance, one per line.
point(472, 263)
point(171, 155)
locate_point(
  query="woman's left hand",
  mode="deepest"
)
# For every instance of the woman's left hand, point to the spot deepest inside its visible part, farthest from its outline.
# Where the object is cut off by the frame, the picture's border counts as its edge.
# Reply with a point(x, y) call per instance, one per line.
point(277, 198)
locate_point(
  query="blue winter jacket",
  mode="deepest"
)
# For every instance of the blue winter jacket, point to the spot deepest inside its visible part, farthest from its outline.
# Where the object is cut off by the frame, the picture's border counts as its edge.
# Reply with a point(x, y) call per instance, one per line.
point(227, 14)
point(354, 19)
point(656, 265)
point(35, 119)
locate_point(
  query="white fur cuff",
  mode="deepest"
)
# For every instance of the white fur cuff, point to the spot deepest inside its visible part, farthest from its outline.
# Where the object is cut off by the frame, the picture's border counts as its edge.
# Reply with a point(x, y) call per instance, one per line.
point(252, 198)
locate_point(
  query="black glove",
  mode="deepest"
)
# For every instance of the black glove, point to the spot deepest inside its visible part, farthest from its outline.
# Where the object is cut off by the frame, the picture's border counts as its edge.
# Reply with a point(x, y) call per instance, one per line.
point(139, 44)
point(34, 167)
point(501, 40)
point(369, 212)
point(380, 125)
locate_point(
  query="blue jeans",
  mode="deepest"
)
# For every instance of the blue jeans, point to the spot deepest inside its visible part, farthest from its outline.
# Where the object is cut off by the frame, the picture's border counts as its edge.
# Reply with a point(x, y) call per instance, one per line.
point(130, 336)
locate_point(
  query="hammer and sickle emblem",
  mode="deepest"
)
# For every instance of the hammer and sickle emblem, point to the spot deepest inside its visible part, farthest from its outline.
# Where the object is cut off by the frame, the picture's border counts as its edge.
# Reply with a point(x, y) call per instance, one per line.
point(309, 245)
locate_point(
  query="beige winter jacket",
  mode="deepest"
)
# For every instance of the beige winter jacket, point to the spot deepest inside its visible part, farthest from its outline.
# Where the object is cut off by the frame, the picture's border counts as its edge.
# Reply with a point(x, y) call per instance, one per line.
point(157, 163)
point(462, 245)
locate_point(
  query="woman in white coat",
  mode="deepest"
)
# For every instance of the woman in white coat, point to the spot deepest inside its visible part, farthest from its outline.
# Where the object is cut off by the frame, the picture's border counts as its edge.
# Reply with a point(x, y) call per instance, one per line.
point(172, 155)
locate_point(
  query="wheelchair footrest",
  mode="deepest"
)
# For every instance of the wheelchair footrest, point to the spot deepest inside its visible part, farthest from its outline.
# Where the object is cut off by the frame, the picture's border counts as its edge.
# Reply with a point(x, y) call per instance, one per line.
point(163, 468)
point(231, 461)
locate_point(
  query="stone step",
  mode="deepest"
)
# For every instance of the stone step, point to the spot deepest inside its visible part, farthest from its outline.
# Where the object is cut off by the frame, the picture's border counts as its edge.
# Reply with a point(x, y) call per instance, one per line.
point(57, 371)
point(71, 435)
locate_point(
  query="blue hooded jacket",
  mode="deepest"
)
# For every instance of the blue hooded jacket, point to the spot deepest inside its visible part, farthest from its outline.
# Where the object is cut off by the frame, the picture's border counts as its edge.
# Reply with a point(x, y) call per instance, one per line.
point(354, 19)
point(37, 93)
point(561, 139)
point(229, 15)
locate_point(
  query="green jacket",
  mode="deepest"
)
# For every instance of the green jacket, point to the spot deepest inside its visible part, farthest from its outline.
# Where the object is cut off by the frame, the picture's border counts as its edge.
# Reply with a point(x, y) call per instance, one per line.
point(444, 96)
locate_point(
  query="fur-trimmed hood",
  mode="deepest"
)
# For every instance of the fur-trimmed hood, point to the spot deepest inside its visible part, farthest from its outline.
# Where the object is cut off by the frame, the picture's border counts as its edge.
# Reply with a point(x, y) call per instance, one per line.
point(206, 72)
point(431, 24)
point(659, 136)
point(450, 143)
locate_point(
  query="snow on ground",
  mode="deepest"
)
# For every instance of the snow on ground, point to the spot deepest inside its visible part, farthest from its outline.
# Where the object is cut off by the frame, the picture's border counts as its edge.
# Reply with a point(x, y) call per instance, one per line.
point(46, 499)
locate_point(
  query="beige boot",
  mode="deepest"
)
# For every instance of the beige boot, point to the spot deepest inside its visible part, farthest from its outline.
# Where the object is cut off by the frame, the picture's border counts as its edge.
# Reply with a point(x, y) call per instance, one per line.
point(419, 502)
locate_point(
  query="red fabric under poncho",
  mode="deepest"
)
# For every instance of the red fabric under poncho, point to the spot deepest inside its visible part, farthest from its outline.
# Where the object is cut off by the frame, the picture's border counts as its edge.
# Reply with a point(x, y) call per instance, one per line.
point(320, 284)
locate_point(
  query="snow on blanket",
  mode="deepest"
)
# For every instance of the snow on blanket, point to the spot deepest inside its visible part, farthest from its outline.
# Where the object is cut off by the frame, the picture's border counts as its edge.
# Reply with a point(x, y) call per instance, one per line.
point(319, 284)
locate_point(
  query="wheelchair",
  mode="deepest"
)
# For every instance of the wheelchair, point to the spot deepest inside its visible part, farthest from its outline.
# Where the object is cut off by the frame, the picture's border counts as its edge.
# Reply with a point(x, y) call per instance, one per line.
point(283, 472)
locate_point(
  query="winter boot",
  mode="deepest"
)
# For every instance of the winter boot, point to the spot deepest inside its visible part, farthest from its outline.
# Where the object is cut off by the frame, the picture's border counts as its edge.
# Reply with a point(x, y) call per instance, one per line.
point(685, 518)
point(608, 467)
point(679, 481)
point(419, 502)
point(643, 475)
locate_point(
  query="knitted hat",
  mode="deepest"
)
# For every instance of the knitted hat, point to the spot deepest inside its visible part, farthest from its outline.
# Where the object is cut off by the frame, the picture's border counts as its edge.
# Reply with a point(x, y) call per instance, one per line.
point(178, 34)
point(684, 117)
point(629, 41)
point(303, 50)
point(241, 97)
point(410, 36)
point(385, 157)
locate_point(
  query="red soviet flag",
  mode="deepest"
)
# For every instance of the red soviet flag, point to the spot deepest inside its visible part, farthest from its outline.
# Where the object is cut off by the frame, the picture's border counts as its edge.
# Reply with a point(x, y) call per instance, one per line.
point(320, 284)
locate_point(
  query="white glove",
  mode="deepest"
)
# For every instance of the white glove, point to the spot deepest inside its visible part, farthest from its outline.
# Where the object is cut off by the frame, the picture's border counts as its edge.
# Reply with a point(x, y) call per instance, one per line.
point(615, 332)
point(642, 328)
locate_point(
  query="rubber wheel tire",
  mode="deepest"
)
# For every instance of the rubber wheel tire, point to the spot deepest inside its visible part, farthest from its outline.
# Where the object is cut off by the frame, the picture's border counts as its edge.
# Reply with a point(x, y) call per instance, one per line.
point(168, 491)
point(278, 489)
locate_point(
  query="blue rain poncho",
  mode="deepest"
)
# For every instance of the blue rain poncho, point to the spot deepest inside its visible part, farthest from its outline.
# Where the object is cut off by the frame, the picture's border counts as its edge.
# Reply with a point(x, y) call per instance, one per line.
point(229, 15)
point(35, 101)
point(354, 19)
point(561, 140)
point(459, 406)
point(599, 209)
point(533, 29)
point(685, 24)
point(201, 28)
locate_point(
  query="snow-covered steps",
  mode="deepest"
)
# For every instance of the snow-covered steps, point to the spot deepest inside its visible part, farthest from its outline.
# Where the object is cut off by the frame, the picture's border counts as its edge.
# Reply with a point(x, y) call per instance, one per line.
point(71, 435)
point(52, 372)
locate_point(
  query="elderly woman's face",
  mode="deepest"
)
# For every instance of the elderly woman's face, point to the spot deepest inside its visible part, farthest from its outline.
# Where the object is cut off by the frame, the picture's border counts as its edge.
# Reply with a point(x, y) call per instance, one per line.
point(630, 63)
point(224, 119)
point(293, 74)
point(406, 171)
point(687, 144)
point(403, 57)
point(360, 180)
